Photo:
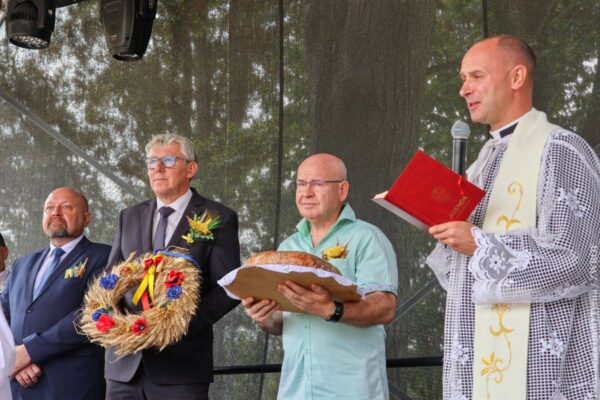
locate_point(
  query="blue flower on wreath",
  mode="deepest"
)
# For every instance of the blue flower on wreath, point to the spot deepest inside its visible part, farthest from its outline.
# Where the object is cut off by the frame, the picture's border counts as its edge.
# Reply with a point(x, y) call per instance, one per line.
point(108, 282)
point(174, 292)
point(96, 315)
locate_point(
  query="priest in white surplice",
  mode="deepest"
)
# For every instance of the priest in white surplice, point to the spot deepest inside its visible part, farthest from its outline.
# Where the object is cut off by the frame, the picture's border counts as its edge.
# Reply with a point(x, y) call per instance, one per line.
point(526, 266)
point(7, 357)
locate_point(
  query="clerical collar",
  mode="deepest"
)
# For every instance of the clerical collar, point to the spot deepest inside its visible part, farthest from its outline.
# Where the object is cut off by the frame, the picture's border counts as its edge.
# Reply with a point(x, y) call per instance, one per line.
point(507, 129)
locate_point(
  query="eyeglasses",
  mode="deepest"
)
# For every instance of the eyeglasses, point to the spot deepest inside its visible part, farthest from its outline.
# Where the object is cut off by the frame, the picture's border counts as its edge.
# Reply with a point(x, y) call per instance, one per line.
point(317, 184)
point(167, 161)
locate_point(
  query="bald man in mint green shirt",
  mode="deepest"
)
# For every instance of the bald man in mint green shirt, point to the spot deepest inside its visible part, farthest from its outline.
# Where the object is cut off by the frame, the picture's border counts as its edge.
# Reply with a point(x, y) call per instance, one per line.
point(333, 350)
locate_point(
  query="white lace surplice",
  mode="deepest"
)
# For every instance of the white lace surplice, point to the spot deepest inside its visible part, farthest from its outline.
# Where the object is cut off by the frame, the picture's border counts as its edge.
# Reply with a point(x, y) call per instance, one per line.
point(7, 357)
point(553, 266)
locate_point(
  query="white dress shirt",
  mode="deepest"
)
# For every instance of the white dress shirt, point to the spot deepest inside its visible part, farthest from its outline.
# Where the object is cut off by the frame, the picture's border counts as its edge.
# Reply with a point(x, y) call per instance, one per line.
point(179, 207)
point(67, 248)
point(3, 278)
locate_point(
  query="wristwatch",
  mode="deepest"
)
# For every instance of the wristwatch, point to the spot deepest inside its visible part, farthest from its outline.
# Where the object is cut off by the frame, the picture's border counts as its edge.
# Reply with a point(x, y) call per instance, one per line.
point(337, 314)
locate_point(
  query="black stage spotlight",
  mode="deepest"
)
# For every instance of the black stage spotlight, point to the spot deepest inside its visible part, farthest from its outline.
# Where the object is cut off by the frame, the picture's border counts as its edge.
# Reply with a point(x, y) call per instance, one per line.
point(30, 23)
point(128, 26)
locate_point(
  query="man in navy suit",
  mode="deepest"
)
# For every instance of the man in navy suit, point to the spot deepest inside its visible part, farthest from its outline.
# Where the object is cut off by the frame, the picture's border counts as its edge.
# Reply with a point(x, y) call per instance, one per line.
point(184, 369)
point(41, 300)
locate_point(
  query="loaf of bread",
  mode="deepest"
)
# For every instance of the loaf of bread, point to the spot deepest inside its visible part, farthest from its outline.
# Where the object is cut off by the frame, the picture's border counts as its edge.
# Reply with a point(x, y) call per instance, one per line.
point(291, 258)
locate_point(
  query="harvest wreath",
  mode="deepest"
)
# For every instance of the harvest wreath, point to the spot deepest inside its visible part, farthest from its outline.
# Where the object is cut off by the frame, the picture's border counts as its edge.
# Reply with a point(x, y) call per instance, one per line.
point(167, 283)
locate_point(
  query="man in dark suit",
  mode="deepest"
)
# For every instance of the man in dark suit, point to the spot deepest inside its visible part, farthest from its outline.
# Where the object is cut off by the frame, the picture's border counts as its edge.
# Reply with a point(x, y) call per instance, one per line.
point(184, 369)
point(41, 300)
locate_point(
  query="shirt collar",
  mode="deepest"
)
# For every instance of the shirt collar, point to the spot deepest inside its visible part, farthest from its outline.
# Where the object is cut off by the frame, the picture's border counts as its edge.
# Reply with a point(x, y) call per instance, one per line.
point(178, 205)
point(347, 214)
point(69, 246)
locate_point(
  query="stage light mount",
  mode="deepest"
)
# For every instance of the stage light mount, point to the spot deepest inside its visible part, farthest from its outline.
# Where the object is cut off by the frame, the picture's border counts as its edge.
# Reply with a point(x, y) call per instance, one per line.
point(128, 27)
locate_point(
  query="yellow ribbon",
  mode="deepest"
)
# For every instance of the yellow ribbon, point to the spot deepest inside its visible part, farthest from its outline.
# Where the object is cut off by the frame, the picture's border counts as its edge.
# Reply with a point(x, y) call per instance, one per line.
point(148, 281)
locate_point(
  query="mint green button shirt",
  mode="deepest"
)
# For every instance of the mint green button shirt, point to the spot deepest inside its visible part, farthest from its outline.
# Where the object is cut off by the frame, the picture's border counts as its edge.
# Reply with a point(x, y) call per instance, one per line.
point(325, 360)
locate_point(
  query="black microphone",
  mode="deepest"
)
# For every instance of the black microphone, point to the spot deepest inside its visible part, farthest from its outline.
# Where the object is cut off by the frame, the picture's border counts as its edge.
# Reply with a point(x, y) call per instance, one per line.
point(460, 133)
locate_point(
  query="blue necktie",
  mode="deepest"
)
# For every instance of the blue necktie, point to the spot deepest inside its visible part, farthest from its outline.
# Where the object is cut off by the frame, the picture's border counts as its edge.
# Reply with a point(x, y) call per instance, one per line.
point(161, 229)
point(57, 253)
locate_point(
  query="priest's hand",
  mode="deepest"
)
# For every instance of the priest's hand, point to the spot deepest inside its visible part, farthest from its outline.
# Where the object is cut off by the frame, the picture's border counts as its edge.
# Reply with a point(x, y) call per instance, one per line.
point(457, 235)
point(316, 300)
point(266, 314)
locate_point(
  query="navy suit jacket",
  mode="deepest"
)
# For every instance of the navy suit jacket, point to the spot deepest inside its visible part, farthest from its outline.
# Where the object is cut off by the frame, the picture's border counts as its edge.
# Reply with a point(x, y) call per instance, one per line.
point(191, 359)
point(71, 366)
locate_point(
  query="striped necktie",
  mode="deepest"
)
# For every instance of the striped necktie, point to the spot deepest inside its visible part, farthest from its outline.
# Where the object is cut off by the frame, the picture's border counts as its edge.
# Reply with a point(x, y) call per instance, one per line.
point(161, 229)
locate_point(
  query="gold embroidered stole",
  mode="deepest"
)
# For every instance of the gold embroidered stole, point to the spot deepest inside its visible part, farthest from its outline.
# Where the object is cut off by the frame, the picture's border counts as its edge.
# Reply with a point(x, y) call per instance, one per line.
point(502, 330)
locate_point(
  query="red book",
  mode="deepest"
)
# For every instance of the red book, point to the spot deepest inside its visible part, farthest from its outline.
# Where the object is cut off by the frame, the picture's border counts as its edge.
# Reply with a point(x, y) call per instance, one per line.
point(428, 193)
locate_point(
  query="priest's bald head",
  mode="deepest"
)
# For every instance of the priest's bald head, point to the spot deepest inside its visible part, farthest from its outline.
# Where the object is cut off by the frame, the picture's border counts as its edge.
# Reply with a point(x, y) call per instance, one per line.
point(497, 75)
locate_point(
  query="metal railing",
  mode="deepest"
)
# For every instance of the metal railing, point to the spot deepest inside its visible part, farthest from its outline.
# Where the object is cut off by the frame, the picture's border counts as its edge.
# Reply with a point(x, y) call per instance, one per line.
point(410, 362)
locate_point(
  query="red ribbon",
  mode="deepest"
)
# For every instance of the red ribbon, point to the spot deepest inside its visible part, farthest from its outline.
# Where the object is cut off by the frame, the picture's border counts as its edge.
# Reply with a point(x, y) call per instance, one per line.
point(147, 285)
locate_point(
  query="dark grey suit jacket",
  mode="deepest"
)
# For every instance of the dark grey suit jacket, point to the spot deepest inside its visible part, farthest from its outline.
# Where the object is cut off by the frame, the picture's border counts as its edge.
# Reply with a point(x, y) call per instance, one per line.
point(191, 359)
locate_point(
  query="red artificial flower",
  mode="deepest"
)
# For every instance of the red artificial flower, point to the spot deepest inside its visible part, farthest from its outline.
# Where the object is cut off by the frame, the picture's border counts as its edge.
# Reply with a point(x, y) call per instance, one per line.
point(175, 278)
point(105, 323)
point(139, 326)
